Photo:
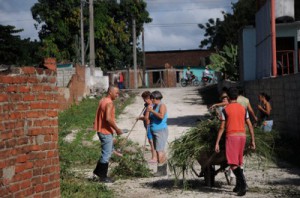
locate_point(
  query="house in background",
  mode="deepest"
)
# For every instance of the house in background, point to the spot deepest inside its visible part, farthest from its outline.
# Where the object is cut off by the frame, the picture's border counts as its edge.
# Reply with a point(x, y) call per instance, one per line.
point(270, 61)
point(256, 45)
point(157, 62)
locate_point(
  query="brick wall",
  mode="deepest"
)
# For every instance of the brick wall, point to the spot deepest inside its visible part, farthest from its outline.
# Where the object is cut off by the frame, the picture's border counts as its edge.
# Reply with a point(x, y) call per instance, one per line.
point(29, 162)
point(74, 91)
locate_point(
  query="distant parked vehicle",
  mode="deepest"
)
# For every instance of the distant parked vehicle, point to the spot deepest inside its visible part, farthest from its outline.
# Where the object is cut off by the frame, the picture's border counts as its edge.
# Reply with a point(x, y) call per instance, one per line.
point(192, 82)
point(205, 80)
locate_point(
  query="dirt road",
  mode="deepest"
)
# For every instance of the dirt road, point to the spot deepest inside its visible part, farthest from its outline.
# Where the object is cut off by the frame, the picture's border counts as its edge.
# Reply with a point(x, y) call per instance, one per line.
point(184, 106)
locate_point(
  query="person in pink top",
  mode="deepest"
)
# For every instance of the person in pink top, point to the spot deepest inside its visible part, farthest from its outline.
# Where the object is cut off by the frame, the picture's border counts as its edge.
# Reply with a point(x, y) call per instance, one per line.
point(105, 125)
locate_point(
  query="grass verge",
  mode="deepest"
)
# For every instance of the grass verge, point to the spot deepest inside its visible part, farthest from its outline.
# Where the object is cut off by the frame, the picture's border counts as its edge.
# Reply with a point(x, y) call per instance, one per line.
point(82, 152)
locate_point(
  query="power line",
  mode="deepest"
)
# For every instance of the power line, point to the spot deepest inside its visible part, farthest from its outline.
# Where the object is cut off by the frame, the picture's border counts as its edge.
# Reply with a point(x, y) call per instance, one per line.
point(17, 20)
point(179, 10)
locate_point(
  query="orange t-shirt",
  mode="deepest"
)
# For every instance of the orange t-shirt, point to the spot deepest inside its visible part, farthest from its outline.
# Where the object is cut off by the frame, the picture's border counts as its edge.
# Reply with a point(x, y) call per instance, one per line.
point(101, 125)
point(235, 115)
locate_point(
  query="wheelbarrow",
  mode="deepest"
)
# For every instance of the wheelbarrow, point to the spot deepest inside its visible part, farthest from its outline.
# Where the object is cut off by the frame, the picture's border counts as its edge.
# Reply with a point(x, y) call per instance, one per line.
point(208, 160)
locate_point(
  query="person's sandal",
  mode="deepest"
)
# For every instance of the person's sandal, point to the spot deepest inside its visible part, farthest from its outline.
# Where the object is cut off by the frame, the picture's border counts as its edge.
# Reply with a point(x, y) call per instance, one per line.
point(152, 161)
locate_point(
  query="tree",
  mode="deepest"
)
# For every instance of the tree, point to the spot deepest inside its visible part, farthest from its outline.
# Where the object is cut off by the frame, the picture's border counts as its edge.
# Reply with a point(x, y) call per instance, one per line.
point(60, 20)
point(224, 35)
point(218, 32)
point(225, 61)
point(14, 50)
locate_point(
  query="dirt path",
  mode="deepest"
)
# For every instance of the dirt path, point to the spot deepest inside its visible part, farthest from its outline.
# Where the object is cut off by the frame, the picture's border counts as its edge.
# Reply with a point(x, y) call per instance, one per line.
point(184, 106)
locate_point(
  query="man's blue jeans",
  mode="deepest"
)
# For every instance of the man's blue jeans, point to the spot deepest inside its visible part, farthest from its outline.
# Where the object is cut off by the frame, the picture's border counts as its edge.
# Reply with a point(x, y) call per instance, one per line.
point(106, 147)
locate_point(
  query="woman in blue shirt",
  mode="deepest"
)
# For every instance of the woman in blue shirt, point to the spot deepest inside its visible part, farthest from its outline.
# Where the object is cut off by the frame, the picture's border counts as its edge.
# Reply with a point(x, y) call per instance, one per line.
point(158, 124)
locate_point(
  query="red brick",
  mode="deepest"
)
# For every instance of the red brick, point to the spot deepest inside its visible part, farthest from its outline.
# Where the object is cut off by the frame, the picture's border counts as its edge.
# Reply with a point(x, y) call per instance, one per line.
point(53, 106)
point(37, 88)
point(6, 135)
point(37, 196)
point(22, 140)
point(15, 98)
point(46, 195)
point(47, 88)
point(37, 171)
point(10, 162)
point(24, 89)
point(8, 107)
point(36, 105)
point(29, 165)
point(45, 178)
point(21, 158)
point(36, 180)
point(32, 114)
point(42, 97)
point(45, 106)
point(23, 176)
point(11, 143)
point(32, 80)
point(20, 168)
point(25, 184)
point(39, 188)
point(1, 125)
point(3, 98)
point(6, 79)
point(28, 97)
point(29, 191)
point(2, 164)
point(52, 113)
point(11, 88)
point(19, 124)
point(4, 154)
point(21, 107)
point(20, 80)
point(50, 153)
point(35, 131)
point(28, 70)
point(34, 147)
point(15, 115)
point(14, 188)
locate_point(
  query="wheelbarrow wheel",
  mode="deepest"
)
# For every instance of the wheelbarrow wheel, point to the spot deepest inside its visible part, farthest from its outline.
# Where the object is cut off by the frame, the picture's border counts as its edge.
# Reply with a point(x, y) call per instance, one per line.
point(209, 175)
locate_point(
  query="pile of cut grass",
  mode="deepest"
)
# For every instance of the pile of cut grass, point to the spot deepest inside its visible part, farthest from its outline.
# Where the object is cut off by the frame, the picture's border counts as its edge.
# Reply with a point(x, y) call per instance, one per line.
point(186, 150)
point(132, 164)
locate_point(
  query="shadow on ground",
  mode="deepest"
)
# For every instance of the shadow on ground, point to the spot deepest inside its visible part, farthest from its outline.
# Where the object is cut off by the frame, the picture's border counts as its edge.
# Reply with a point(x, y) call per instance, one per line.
point(187, 120)
point(193, 185)
point(209, 94)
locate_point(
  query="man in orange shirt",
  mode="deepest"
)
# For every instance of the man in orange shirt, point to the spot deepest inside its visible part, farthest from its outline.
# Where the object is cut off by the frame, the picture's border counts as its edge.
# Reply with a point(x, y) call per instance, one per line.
point(105, 126)
point(233, 118)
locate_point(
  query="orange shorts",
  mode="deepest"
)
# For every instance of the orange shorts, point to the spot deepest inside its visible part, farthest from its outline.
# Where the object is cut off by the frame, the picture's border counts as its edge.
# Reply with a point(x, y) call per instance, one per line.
point(235, 146)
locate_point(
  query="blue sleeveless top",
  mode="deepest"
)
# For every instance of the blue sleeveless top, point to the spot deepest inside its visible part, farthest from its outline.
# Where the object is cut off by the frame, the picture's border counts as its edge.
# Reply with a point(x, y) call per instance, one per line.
point(156, 123)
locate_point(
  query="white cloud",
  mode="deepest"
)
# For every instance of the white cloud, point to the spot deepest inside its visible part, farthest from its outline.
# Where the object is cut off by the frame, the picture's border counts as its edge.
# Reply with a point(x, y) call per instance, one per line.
point(19, 15)
point(174, 24)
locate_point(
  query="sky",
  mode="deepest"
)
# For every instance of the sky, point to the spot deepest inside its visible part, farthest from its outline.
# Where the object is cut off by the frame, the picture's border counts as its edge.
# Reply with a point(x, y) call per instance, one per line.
point(174, 23)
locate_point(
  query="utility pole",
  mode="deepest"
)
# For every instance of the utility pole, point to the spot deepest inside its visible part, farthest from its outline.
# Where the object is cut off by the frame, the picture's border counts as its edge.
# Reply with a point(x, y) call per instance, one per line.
point(134, 53)
point(82, 33)
point(144, 56)
point(92, 42)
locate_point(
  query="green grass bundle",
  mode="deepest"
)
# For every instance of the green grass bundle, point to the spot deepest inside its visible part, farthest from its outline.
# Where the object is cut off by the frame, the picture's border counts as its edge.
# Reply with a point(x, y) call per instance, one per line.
point(186, 150)
point(132, 163)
